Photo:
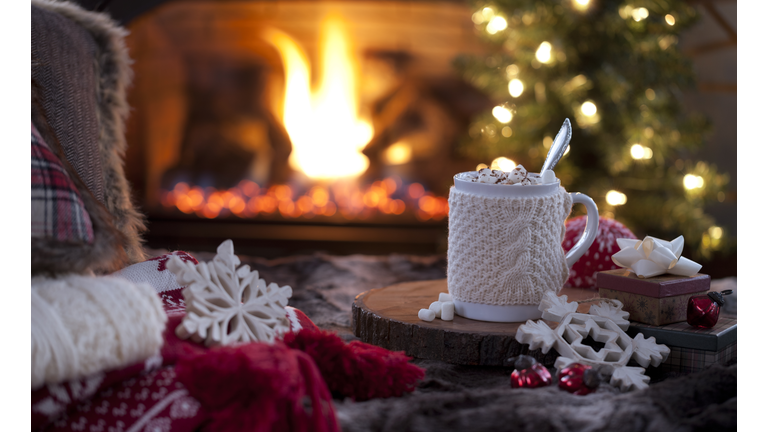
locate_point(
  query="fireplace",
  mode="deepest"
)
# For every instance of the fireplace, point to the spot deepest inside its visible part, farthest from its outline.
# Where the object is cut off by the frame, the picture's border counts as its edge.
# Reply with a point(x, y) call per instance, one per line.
point(298, 125)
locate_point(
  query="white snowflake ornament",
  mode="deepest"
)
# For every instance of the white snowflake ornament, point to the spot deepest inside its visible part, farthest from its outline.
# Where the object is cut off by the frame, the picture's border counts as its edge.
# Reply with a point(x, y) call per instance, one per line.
point(629, 378)
point(226, 304)
point(555, 308)
point(605, 324)
point(612, 310)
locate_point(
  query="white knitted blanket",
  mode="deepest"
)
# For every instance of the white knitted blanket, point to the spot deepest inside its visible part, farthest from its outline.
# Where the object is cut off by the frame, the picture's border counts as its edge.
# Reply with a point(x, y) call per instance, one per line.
point(82, 325)
point(506, 250)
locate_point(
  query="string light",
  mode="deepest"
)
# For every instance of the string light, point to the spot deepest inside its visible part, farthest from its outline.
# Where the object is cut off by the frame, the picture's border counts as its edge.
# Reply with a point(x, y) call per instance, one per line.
point(512, 71)
point(544, 53)
point(516, 87)
point(581, 4)
point(547, 141)
point(625, 12)
point(715, 232)
point(615, 198)
point(692, 181)
point(496, 25)
point(502, 114)
point(589, 108)
point(650, 94)
point(504, 164)
point(639, 151)
point(639, 14)
point(506, 131)
point(481, 166)
point(712, 237)
point(670, 19)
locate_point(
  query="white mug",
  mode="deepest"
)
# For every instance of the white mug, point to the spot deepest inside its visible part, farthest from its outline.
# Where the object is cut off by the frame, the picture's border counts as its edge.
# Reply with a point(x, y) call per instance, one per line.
point(520, 312)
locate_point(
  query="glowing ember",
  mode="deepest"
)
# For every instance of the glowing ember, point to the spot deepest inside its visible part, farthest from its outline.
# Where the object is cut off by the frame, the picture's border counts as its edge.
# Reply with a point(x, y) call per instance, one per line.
point(325, 130)
point(389, 196)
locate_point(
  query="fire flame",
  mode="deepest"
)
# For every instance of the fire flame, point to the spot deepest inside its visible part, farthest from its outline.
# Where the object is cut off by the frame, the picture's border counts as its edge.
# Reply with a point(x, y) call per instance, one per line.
point(389, 196)
point(326, 131)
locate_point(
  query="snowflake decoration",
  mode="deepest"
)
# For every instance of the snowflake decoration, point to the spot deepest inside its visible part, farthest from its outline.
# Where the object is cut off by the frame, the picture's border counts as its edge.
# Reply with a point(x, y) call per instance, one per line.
point(606, 323)
point(555, 308)
point(226, 304)
point(612, 310)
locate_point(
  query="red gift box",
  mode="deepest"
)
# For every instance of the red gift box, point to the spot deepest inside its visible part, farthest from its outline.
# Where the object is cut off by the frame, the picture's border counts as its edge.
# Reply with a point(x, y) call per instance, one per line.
point(658, 300)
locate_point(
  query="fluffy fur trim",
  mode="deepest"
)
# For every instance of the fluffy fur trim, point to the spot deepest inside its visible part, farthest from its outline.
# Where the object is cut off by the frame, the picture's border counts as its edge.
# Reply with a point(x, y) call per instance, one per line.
point(357, 370)
point(51, 256)
point(113, 67)
point(84, 325)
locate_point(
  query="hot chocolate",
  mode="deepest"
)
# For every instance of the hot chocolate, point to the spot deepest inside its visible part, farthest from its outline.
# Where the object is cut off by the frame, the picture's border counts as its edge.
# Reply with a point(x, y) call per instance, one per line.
point(518, 176)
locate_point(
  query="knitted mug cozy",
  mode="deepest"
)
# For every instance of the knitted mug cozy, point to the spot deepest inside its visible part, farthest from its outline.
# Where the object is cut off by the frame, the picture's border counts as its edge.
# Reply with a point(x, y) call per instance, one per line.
point(506, 250)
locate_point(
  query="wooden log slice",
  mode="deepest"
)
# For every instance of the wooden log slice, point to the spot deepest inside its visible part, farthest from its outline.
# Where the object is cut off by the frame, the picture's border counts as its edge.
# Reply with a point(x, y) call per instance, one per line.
point(388, 317)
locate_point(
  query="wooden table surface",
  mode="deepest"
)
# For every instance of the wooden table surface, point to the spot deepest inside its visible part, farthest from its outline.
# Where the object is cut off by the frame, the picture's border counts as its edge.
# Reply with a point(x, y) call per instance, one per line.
point(388, 317)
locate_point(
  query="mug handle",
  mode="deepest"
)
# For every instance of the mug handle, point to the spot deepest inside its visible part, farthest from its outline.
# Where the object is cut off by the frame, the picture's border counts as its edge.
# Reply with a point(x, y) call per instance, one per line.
point(590, 231)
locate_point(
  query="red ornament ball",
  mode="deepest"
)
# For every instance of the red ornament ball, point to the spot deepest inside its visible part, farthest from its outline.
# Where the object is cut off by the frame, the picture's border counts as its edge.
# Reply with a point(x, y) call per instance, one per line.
point(704, 310)
point(535, 376)
point(598, 256)
point(578, 379)
point(529, 373)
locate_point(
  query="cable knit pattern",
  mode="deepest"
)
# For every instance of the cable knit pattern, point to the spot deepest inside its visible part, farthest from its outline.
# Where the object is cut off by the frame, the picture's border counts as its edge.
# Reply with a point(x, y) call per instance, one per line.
point(83, 325)
point(506, 250)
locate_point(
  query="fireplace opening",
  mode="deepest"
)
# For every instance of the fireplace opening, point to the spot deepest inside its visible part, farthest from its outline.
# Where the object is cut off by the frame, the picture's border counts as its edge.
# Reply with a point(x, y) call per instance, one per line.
point(300, 125)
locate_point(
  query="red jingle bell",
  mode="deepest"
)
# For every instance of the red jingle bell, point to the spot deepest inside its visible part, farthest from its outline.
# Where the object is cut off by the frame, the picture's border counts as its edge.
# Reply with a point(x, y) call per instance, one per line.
point(529, 374)
point(579, 379)
point(704, 310)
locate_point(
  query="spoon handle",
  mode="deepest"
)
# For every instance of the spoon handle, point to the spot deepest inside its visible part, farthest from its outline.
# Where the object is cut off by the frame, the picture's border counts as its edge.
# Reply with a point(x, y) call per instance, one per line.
point(558, 147)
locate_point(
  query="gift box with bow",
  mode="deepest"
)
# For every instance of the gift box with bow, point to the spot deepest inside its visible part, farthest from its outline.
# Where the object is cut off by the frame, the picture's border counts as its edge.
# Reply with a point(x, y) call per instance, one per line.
point(657, 281)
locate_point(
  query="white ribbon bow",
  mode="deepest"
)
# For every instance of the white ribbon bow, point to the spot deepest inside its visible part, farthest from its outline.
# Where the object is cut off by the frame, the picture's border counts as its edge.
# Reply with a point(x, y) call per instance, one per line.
point(651, 257)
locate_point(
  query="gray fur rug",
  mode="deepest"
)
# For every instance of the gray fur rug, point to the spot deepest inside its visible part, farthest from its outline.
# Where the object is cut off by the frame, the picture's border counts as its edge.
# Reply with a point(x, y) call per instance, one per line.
point(470, 398)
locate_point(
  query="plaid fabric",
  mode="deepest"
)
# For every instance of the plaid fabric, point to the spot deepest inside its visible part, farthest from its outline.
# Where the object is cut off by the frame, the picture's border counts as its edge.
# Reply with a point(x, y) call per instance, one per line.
point(687, 360)
point(57, 208)
point(685, 336)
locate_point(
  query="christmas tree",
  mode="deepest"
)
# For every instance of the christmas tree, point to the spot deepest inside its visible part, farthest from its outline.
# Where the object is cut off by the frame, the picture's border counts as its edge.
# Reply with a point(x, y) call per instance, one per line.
point(614, 69)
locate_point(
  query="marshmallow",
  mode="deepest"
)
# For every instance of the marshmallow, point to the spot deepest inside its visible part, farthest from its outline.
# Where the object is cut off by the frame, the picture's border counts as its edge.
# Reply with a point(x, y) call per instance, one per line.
point(426, 315)
point(469, 176)
point(507, 181)
point(447, 311)
point(436, 307)
point(445, 297)
point(518, 174)
point(487, 175)
point(548, 176)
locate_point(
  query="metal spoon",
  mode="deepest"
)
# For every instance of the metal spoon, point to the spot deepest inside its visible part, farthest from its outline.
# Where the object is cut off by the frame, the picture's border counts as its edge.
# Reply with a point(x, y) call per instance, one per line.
point(558, 147)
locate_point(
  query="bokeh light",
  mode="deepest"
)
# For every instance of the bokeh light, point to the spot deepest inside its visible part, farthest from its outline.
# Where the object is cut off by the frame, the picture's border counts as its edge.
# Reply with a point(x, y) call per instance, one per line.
point(615, 198)
point(544, 53)
point(502, 114)
point(589, 108)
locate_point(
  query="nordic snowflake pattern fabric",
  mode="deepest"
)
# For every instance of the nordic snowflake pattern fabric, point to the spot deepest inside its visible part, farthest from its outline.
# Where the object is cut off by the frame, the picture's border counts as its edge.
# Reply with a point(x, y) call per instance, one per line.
point(151, 401)
point(226, 304)
point(598, 256)
point(603, 324)
point(154, 271)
